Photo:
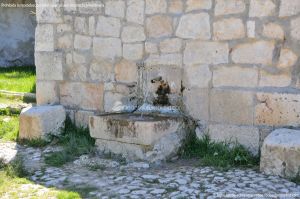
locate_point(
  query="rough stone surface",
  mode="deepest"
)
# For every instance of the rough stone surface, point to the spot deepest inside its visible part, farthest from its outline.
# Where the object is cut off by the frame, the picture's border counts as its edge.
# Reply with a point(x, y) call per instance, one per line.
point(198, 5)
point(273, 31)
point(41, 121)
point(198, 76)
point(260, 8)
point(235, 76)
point(247, 136)
point(46, 92)
point(108, 48)
point(82, 42)
point(133, 51)
point(295, 28)
point(206, 53)
point(280, 153)
point(108, 26)
point(170, 45)
point(90, 98)
point(156, 6)
point(228, 29)
point(259, 52)
point(231, 107)
point(115, 8)
point(126, 71)
point(274, 80)
point(151, 138)
point(49, 66)
point(44, 38)
point(226, 7)
point(159, 26)
point(277, 109)
point(133, 34)
point(287, 58)
point(135, 11)
point(289, 8)
point(194, 26)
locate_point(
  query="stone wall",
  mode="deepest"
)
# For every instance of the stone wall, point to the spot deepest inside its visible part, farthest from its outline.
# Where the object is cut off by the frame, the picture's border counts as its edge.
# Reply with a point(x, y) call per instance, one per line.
point(17, 29)
point(232, 65)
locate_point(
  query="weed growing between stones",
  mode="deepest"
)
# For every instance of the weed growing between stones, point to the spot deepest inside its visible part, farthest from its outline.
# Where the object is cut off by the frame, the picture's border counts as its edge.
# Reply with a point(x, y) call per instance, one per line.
point(75, 142)
point(218, 154)
point(296, 179)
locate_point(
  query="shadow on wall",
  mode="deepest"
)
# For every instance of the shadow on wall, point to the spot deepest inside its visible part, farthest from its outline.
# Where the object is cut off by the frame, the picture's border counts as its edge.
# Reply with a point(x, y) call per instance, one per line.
point(17, 34)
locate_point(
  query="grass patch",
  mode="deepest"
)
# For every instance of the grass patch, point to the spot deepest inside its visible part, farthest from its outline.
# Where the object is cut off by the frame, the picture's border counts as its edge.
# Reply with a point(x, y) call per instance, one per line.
point(296, 179)
point(9, 127)
point(218, 154)
point(75, 141)
point(18, 79)
point(35, 143)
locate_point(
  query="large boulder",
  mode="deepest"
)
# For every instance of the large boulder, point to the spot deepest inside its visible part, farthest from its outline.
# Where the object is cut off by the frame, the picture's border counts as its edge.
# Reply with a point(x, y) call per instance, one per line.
point(41, 121)
point(280, 153)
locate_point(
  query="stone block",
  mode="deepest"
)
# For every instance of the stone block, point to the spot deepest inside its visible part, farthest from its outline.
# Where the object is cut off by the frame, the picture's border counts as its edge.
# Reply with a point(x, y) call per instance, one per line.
point(151, 48)
point(65, 41)
point(126, 71)
point(229, 29)
point(196, 102)
point(64, 28)
point(175, 7)
point(200, 52)
point(133, 34)
point(135, 11)
point(289, 8)
point(49, 14)
point(194, 26)
point(108, 27)
point(90, 7)
point(44, 38)
point(115, 8)
point(173, 45)
point(277, 109)
point(46, 92)
point(273, 31)
point(159, 26)
point(232, 107)
point(295, 28)
point(82, 118)
point(41, 121)
point(251, 29)
point(92, 26)
point(192, 5)
point(197, 76)
point(280, 153)
point(226, 7)
point(258, 52)
point(133, 51)
point(101, 70)
point(49, 66)
point(81, 25)
point(87, 96)
point(274, 80)
point(235, 76)
point(70, 6)
point(156, 6)
point(154, 138)
point(82, 42)
point(174, 59)
point(287, 58)
point(260, 8)
point(248, 136)
point(108, 48)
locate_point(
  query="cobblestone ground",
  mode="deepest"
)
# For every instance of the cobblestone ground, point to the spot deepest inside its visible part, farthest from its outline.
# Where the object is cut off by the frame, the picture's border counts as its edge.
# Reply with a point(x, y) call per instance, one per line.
point(106, 178)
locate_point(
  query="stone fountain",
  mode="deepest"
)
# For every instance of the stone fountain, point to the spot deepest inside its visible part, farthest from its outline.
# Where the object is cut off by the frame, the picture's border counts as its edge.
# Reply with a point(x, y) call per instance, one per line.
point(153, 130)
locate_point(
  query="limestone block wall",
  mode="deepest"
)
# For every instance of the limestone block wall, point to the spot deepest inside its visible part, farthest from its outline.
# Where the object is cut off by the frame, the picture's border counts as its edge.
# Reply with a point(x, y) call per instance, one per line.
point(232, 65)
point(17, 30)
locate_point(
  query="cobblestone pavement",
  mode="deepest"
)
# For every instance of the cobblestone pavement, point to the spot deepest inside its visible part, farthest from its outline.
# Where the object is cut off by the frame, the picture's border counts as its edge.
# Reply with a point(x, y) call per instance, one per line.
point(106, 178)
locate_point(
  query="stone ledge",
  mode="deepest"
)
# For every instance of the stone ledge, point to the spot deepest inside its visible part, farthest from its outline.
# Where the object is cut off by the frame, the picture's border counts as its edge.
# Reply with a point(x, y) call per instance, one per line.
point(41, 121)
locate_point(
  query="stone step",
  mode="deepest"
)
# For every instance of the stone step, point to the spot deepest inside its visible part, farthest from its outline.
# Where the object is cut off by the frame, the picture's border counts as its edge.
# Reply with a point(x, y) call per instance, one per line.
point(280, 153)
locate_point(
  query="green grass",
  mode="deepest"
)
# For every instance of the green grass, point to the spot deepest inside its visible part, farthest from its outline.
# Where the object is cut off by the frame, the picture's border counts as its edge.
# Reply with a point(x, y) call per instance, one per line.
point(9, 127)
point(18, 79)
point(13, 184)
point(75, 141)
point(218, 154)
point(296, 180)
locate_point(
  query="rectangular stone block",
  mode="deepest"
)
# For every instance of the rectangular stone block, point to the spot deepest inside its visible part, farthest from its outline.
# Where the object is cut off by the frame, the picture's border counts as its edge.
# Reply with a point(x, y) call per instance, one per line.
point(196, 102)
point(108, 48)
point(235, 76)
point(226, 7)
point(257, 52)
point(47, 92)
point(49, 11)
point(87, 96)
point(41, 121)
point(229, 29)
point(247, 136)
point(199, 52)
point(197, 76)
point(277, 109)
point(231, 107)
point(44, 38)
point(49, 66)
point(135, 11)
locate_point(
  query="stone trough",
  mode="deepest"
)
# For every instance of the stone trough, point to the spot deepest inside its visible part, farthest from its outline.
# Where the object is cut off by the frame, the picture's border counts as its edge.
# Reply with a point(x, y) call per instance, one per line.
point(145, 137)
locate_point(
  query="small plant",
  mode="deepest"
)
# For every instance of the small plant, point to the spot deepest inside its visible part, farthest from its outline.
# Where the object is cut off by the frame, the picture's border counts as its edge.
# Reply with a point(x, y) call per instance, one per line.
point(75, 141)
point(296, 179)
point(15, 168)
point(35, 143)
point(218, 154)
